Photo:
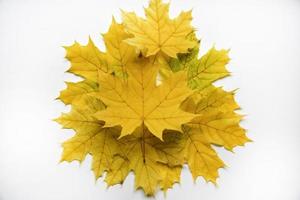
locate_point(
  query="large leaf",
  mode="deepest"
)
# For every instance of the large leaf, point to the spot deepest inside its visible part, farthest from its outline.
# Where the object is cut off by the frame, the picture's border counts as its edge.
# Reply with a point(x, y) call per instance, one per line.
point(140, 101)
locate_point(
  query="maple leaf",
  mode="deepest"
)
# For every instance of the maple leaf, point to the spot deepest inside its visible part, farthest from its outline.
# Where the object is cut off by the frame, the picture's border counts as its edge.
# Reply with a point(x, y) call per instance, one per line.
point(182, 61)
point(90, 137)
point(201, 157)
point(140, 101)
point(76, 93)
point(151, 159)
point(86, 60)
point(158, 32)
point(218, 122)
point(204, 71)
point(86, 127)
point(81, 118)
point(119, 53)
point(170, 177)
point(148, 105)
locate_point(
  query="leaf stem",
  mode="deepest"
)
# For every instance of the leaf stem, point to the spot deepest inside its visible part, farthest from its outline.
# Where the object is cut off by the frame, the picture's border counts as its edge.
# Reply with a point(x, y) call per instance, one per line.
point(143, 142)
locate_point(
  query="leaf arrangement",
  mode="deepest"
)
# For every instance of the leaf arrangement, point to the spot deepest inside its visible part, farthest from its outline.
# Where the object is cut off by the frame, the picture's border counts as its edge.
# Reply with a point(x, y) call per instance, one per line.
point(147, 105)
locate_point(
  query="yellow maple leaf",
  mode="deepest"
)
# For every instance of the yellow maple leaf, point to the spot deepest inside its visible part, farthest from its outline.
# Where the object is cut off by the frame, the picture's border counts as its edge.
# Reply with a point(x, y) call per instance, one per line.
point(217, 120)
point(104, 147)
point(204, 71)
point(81, 118)
point(158, 32)
point(86, 60)
point(140, 101)
point(171, 175)
point(76, 93)
point(201, 157)
point(148, 105)
point(151, 159)
point(119, 53)
point(118, 170)
point(90, 138)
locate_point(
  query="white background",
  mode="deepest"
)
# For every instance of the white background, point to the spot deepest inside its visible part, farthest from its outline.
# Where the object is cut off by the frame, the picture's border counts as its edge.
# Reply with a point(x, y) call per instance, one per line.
point(264, 38)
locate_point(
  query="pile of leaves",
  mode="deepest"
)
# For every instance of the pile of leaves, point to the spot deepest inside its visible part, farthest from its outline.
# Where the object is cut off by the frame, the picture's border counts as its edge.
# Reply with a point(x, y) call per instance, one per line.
point(147, 105)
